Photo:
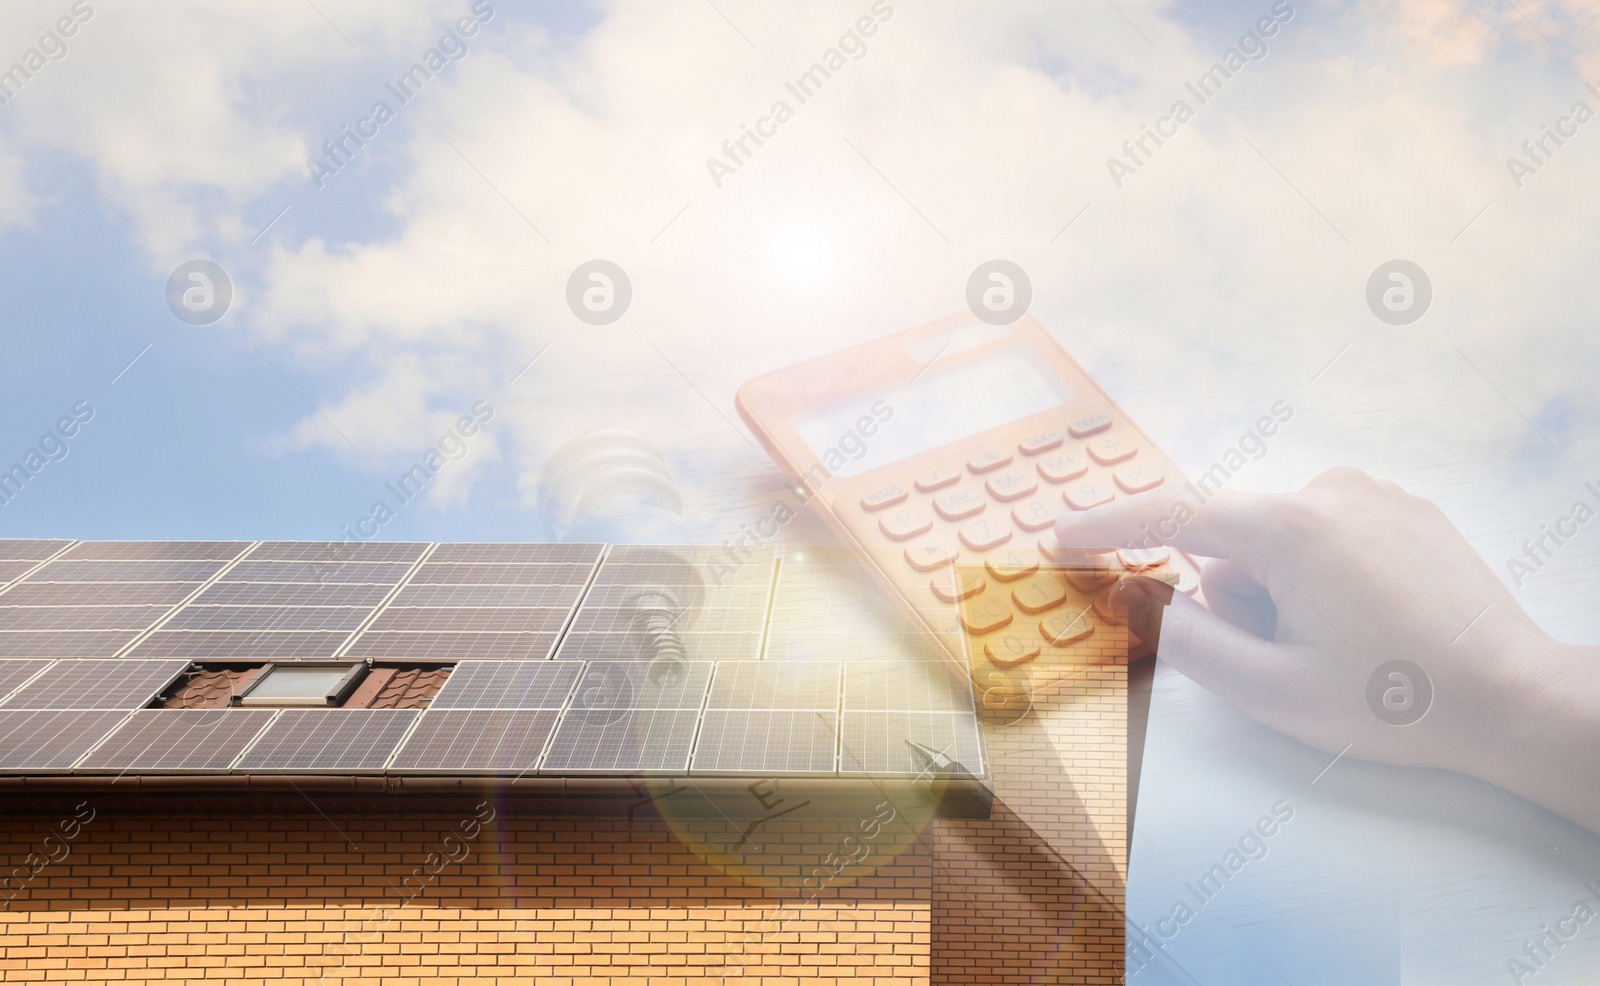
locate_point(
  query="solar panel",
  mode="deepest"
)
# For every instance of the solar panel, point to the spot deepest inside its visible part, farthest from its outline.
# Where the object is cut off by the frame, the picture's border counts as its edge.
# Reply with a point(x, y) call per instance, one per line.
point(30, 549)
point(504, 741)
point(156, 550)
point(482, 620)
point(116, 684)
point(344, 618)
point(74, 570)
point(162, 740)
point(14, 673)
point(621, 742)
point(643, 685)
point(390, 551)
point(12, 570)
point(507, 685)
point(432, 573)
point(628, 647)
point(381, 573)
point(221, 645)
point(90, 643)
point(501, 553)
point(34, 740)
point(766, 742)
point(291, 594)
point(454, 646)
point(79, 617)
point(701, 619)
point(740, 596)
point(329, 740)
point(898, 686)
point(876, 742)
point(564, 596)
point(165, 594)
point(776, 685)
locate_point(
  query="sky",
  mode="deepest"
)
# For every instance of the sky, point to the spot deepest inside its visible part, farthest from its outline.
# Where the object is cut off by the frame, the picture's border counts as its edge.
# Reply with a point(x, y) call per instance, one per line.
point(377, 302)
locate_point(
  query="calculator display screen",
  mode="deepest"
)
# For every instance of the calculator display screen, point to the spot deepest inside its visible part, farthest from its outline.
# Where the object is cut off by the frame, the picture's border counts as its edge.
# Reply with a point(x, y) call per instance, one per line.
point(942, 405)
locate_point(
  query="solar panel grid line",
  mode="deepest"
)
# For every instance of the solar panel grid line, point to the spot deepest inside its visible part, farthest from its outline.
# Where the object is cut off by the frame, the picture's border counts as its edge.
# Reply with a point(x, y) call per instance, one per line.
point(119, 684)
point(48, 729)
point(448, 753)
point(42, 563)
point(207, 732)
point(383, 603)
point(157, 550)
point(468, 686)
point(202, 587)
point(18, 685)
point(102, 740)
point(406, 736)
point(577, 605)
point(328, 741)
point(233, 765)
point(772, 602)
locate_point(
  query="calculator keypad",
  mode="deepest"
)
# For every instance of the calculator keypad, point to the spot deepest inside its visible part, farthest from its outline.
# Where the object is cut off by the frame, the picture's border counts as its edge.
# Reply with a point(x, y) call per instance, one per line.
point(975, 549)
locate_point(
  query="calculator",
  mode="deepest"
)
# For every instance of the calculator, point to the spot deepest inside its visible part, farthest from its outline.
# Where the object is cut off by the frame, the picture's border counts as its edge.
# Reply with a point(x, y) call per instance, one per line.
point(943, 455)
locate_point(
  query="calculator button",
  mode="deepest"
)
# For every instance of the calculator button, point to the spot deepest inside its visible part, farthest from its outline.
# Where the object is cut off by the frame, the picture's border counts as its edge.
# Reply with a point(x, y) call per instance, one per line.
point(1039, 443)
point(1110, 449)
point(1034, 515)
point(888, 496)
point(1056, 552)
point(1082, 496)
point(929, 557)
point(1010, 650)
point(1010, 486)
point(1063, 466)
point(981, 535)
point(1136, 477)
point(1064, 628)
point(1012, 564)
point(905, 523)
point(1182, 581)
point(959, 504)
point(1090, 424)
point(1039, 593)
point(954, 586)
point(985, 614)
point(938, 479)
point(988, 460)
point(1091, 573)
point(1145, 557)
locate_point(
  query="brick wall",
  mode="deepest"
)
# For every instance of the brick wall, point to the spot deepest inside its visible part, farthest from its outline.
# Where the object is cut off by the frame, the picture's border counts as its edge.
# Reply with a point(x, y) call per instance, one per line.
point(546, 900)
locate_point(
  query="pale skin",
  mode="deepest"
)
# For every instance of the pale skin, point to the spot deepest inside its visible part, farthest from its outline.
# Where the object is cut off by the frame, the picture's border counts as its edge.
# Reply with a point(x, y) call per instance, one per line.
point(1310, 592)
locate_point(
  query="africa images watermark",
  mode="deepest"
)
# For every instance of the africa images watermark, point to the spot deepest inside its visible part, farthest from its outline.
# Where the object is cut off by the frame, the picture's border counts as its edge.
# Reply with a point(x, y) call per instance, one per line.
point(1252, 47)
point(1538, 951)
point(452, 47)
point(53, 447)
point(1537, 552)
point(51, 47)
point(802, 88)
point(1537, 151)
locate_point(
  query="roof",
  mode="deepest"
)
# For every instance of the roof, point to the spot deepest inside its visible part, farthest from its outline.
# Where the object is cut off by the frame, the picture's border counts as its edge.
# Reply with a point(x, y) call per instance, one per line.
point(528, 666)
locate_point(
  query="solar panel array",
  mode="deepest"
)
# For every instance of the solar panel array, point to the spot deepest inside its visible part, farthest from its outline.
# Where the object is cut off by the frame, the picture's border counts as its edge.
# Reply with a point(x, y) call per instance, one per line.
point(553, 672)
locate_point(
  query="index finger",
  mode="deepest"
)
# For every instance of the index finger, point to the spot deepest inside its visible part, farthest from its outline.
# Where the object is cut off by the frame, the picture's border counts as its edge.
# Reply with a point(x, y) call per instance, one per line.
point(1213, 526)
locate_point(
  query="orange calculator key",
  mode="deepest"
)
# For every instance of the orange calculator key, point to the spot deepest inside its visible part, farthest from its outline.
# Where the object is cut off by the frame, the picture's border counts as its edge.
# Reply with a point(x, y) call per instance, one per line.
point(981, 535)
point(1040, 443)
point(959, 504)
point(1040, 593)
point(1012, 564)
point(1103, 608)
point(1065, 627)
point(906, 523)
point(928, 557)
point(985, 614)
point(1092, 423)
point(953, 586)
point(886, 496)
point(1136, 477)
point(1145, 557)
point(937, 479)
point(1062, 466)
point(1033, 515)
point(988, 460)
point(1008, 486)
point(1111, 449)
point(1010, 650)
point(1092, 573)
point(1089, 493)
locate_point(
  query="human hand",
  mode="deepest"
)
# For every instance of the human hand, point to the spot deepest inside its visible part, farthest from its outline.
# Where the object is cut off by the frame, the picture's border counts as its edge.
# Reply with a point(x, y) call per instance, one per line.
point(1312, 593)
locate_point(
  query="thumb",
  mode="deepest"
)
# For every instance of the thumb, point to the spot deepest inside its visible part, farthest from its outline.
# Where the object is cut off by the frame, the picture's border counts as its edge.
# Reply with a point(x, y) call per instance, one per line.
point(1232, 663)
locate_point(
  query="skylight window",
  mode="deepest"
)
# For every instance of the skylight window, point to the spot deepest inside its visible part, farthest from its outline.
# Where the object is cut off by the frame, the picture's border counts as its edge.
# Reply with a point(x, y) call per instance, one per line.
point(314, 685)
